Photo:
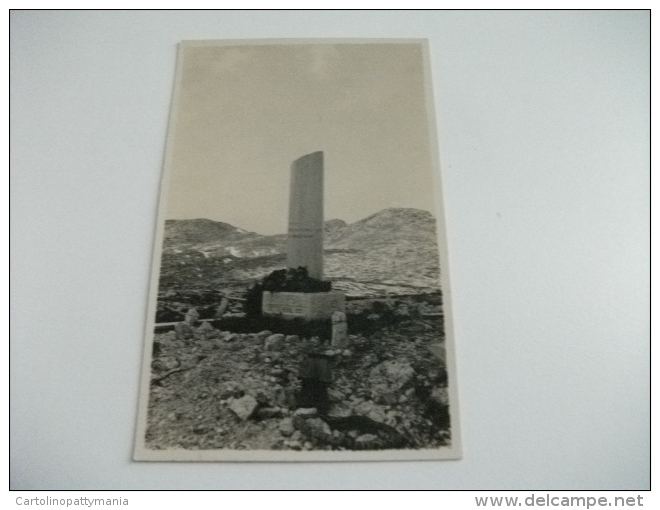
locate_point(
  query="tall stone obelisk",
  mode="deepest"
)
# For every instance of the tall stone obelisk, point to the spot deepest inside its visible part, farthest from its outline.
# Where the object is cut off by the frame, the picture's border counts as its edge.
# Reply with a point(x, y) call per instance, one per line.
point(305, 240)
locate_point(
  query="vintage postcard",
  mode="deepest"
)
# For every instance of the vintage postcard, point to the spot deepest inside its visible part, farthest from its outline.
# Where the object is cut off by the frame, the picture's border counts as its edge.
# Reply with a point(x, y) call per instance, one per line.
point(300, 304)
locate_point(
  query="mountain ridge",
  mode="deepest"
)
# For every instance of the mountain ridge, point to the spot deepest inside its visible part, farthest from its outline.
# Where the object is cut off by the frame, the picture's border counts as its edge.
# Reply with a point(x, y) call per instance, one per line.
point(184, 230)
point(394, 247)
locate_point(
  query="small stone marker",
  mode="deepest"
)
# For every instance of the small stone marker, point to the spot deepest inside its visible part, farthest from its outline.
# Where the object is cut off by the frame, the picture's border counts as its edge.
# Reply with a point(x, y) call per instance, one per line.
point(339, 330)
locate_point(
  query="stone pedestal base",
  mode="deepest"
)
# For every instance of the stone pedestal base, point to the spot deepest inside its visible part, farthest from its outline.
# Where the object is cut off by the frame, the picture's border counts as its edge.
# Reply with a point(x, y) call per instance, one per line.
point(314, 305)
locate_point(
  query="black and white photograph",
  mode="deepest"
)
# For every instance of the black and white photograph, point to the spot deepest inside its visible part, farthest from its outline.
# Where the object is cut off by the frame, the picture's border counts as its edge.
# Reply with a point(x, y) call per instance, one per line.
point(297, 310)
point(339, 250)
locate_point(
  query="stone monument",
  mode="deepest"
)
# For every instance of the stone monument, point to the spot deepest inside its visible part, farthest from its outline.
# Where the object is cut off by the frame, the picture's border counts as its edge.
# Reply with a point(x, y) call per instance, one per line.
point(305, 245)
point(305, 241)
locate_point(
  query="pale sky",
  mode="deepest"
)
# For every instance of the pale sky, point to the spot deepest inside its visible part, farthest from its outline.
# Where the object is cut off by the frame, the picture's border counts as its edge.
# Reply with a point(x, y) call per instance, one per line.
point(245, 113)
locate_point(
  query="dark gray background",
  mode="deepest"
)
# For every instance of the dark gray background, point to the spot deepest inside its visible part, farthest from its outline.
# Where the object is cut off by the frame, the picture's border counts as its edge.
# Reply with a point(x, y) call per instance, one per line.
point(543, 121)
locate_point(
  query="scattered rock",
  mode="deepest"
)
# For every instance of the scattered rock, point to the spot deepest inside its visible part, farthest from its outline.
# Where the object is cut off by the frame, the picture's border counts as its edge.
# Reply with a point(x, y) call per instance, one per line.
point(339, 410)
point(285, 397)
point(286, 427)
point(366, 438)
point(372, 396)
point(370, 410)
point(266, 413)
point(441, 396)
point(262, 398)
point(337, 437)
point(207, 331)
point(385, 397)
point(306, 412)
point(388, 379)
point(231, 389)
point(336, 395)
point(171, 363)
point(244, 407)
point(294, 445)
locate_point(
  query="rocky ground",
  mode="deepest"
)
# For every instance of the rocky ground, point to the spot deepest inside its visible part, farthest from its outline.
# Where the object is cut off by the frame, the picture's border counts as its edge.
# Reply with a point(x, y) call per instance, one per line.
point(224, 389)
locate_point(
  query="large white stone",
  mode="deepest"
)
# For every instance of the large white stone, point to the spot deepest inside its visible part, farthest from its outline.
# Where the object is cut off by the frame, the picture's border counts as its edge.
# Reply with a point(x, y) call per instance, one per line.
point(313, 305)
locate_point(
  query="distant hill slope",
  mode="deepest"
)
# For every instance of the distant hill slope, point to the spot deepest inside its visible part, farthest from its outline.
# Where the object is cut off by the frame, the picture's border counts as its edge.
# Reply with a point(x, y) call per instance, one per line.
point(384, 228)
point(201, 231)
point(394, 250)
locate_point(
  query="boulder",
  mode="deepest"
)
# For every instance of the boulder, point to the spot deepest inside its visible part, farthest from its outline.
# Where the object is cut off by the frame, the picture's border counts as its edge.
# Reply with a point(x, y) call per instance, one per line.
point(244, 407)
point(314, 428)
point(292, 339)
point(274, 342)
point(262, 335)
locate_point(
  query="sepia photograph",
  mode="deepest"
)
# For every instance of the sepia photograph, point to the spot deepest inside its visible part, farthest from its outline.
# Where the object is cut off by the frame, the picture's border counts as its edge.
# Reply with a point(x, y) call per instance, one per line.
point(299, 307)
